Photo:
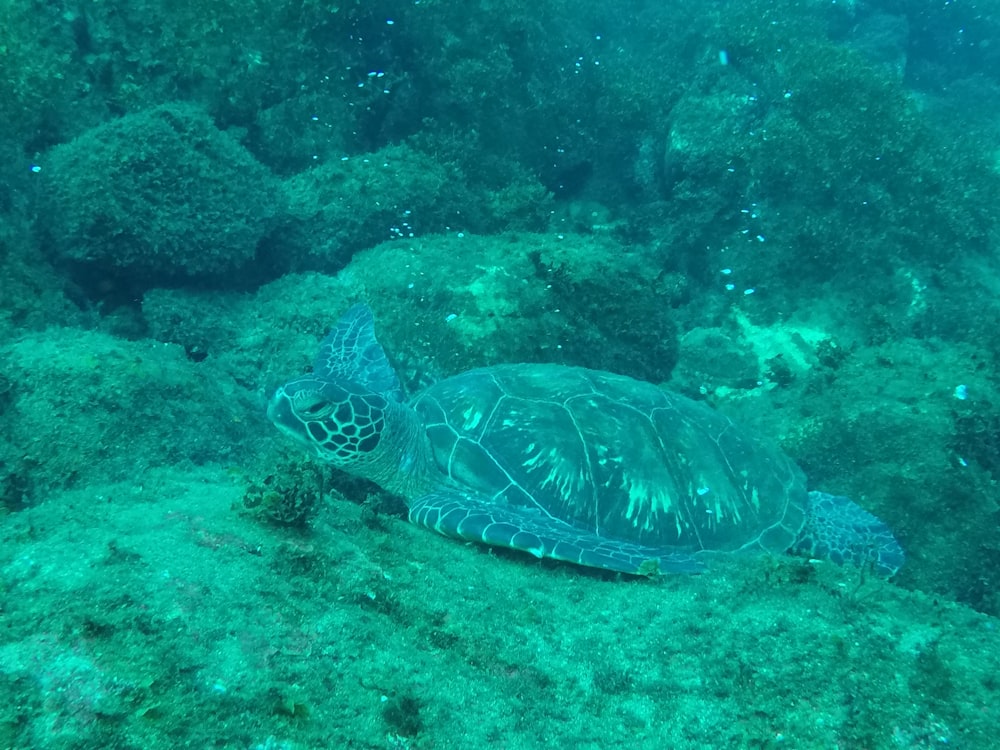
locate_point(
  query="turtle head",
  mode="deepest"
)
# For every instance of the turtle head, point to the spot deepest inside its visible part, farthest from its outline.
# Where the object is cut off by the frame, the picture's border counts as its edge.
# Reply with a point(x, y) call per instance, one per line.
point(351, 413)
point(344, 424)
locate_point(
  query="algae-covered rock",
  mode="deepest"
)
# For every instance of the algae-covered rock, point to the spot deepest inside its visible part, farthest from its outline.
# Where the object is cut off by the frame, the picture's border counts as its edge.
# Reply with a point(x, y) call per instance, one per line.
point(159, 192)
point(712, 358)
point(444, 304)
point(350, 204)
point(32, 293)
point(83, 407)
point(296, 134)
point(705, 138)
point(343, 206)
point(909, 428)
point(571, 299)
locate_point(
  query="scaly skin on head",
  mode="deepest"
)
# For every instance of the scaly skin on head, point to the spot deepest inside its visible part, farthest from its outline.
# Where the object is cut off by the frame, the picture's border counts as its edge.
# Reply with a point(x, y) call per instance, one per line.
point(357, 431)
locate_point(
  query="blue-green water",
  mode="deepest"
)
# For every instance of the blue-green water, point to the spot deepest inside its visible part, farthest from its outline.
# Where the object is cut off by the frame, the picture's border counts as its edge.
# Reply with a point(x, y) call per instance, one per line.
point(784, 209)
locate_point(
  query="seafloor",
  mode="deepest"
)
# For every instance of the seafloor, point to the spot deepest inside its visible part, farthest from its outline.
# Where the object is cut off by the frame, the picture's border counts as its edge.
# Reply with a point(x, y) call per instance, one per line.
point(786, 208)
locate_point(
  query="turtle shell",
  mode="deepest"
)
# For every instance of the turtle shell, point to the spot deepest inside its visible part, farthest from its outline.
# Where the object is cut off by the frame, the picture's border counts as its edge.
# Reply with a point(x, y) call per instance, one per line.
point(613, 456)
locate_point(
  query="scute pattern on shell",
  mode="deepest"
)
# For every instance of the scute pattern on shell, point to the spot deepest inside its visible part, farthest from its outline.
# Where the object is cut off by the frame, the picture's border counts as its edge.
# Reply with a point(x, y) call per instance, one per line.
point(613, 456)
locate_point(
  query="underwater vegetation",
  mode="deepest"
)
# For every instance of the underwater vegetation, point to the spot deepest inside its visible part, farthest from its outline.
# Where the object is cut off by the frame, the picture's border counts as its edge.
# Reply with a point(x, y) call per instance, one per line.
point(785, 208)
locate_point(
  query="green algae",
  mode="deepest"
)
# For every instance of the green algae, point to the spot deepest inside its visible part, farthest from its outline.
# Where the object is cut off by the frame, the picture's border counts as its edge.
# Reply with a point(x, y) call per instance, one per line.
point(162, 192)
point(581, 183)
point(190, 621)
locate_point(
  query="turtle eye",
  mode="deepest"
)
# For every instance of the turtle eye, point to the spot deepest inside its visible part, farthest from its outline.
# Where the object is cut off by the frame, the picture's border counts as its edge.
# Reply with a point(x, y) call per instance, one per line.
point(314, 409)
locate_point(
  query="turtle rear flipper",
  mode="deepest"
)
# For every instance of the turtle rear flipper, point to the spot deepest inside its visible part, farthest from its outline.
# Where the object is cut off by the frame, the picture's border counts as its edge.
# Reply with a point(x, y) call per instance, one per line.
point(838, 529)
point(465, 516)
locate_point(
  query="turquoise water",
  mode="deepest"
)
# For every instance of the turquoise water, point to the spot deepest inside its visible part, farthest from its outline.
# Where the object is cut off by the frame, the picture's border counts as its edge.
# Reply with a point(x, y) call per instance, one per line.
point(785, 210)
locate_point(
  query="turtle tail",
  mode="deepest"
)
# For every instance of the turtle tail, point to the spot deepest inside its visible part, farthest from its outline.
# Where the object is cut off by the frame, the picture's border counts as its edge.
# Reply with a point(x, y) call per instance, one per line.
point(838, 529)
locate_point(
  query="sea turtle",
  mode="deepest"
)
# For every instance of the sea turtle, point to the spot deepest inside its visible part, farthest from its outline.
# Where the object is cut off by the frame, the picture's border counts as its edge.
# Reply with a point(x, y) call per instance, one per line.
point(563, 462)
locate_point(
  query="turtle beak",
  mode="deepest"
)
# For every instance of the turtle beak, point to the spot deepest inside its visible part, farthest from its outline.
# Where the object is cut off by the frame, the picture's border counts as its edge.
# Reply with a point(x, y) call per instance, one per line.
point(279, 411)
point(274, 405)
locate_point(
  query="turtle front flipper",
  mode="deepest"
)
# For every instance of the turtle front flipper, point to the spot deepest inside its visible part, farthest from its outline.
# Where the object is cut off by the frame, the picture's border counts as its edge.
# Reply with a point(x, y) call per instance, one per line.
point(465, 516)
point(838, 529)
point(350, 352)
